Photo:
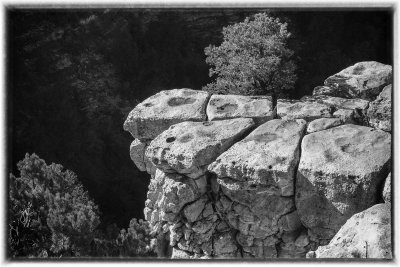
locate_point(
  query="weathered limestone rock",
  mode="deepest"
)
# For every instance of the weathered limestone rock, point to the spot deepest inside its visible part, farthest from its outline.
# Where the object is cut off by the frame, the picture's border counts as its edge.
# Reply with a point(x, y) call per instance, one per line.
point(188, 147)
point(259, 108)
point(154, 115)
point(365, 235)
point(363, 80)
point(339, 102)
point(168, 194)
point(387, 189)
point(323, 124)
point(307, 110)
point(137, 150)
point(339, 173)
point(380, 110)
point(325, 90)
point(258, 213)
point(268, 156)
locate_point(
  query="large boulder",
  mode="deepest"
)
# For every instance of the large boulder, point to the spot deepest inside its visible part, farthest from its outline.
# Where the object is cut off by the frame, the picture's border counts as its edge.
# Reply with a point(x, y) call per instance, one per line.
point(363, 80)
point(154, 115)
point(302, 109)
point(380, 110)
point(366, 234)
point(339, 174)
point(221, 107)
point(268, 156)
point(189, 147)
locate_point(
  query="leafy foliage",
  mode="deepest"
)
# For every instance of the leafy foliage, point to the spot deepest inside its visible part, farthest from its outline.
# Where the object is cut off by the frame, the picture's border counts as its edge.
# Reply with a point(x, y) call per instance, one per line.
point(50, 212)
point(253, 58)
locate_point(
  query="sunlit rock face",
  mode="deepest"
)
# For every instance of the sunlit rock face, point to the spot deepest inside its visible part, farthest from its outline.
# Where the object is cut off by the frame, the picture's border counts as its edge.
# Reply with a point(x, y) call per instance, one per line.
point(154, 115)
point(365, 235)
point(259, 108)
point(362, 80)
point(239, 177)
point(380, 110)
point(339, 174)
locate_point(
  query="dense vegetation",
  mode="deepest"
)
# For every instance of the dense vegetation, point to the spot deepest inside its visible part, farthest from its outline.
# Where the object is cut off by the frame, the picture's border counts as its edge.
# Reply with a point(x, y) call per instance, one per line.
point(74, 75)
point(253, 59)
point(52, 215)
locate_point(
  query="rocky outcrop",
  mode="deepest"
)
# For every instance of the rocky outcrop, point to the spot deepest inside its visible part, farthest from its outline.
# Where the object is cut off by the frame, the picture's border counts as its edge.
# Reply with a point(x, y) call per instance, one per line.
point(259, 108)
point(365, 235)
point(235, 177)
point(157, 113)
point(380, 110)
point(363, 80)
point(339, 174)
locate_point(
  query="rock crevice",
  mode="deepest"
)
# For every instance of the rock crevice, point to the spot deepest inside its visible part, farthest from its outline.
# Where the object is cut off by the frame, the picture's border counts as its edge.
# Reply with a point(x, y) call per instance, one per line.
point(239, 177)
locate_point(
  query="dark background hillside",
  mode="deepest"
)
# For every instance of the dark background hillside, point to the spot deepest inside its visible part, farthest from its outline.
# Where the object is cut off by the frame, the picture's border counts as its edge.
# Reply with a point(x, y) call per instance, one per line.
point(73, 76)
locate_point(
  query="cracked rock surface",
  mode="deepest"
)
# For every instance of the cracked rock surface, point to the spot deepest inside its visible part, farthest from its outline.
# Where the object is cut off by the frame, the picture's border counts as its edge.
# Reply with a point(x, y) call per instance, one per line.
point(339, 174)
point(363, 80)
point(188, 147)
point(365, 235)
point(247, 182)
point(380, 110)
point(259, 108)
point(154, 115)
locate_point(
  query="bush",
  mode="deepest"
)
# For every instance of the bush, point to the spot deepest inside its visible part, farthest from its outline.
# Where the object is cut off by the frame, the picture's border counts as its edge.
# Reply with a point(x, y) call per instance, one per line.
point(50, 212)
point(51, 215)
point(252, 59)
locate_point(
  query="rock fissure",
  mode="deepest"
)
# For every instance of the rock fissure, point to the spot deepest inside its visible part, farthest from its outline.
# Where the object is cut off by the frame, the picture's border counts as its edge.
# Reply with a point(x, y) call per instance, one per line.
point(244, 177)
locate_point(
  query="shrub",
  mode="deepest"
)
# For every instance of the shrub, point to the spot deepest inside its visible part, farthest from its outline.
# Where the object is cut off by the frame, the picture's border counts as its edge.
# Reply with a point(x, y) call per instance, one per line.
point(252, 59)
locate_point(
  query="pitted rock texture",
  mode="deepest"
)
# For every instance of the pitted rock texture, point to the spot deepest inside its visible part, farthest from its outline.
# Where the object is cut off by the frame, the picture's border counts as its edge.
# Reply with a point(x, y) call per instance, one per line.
point(259, 108)
point(307, 110)
point(363, 80)
point(188, 147)
point(154, 115)
point(339, 174)
point(365, 235)
point(387, 189)
point(380, 110)
point(268, 156)
point(226, 189)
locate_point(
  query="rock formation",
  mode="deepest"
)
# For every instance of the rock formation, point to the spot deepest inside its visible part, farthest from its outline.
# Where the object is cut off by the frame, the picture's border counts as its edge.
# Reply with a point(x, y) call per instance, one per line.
point(237, 177)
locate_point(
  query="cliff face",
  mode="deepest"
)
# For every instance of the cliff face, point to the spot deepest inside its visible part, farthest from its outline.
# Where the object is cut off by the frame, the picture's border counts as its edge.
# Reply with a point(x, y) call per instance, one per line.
point(237, 177)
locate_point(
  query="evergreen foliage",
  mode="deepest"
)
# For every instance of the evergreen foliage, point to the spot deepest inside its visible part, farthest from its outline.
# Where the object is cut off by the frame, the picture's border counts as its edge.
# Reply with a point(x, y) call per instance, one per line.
point(253, 58)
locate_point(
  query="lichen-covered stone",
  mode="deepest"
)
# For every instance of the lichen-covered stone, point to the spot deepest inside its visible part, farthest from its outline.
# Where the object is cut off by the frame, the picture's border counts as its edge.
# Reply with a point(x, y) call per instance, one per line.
point(221, 107)
point(363, 80)
point(323, 124)
point(267, 156)
point(338, 175)
point(307, 110)
point(225, 243)
point(158, 112)
point(387, 189)
point(380, 110)
point(366, 234)
point(188, 146)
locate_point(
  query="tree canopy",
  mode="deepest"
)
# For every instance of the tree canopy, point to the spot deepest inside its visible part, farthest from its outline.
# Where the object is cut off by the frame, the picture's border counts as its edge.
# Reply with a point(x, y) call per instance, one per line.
point(253, 58)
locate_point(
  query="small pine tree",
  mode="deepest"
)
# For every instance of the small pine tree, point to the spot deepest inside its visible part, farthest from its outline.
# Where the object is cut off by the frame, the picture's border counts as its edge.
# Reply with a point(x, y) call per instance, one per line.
point(253, 59)
point(50, 214)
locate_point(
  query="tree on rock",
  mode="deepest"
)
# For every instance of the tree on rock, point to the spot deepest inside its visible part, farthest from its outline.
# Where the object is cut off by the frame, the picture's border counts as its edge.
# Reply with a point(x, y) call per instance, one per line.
point(253, 59)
